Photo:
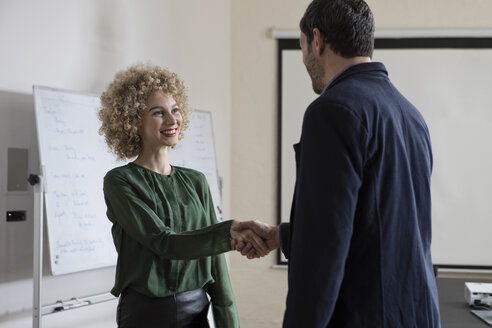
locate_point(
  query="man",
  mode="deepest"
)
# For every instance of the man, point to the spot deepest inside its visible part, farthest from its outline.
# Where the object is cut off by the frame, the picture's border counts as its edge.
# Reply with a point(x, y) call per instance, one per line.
point(358, 241)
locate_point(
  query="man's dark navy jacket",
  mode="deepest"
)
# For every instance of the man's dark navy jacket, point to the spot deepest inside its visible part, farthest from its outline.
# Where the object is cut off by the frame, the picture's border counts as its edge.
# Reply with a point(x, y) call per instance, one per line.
point(359, 237)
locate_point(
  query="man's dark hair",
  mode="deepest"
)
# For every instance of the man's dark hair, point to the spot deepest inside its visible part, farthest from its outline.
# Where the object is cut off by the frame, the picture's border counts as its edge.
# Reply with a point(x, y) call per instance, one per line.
point(347, 25)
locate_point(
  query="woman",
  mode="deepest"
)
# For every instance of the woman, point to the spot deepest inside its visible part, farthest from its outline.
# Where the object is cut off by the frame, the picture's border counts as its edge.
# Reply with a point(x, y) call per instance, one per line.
point(165, 231)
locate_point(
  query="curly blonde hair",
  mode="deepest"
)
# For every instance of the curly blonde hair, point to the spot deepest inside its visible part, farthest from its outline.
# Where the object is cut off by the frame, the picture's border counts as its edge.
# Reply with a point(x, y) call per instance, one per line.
point(125, 98)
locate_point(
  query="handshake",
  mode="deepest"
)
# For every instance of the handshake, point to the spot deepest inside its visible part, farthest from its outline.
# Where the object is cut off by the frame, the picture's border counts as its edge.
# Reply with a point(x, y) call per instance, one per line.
point(254, 239)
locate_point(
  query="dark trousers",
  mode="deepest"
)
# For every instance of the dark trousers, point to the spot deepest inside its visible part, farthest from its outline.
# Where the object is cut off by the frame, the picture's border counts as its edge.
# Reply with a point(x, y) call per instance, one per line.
point(183, 310)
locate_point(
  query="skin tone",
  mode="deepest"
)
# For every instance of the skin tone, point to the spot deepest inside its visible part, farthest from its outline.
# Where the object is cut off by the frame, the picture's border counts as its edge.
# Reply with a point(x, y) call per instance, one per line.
point(322, 64)
point(161, 123)
point(269, 233)
point(159, 130)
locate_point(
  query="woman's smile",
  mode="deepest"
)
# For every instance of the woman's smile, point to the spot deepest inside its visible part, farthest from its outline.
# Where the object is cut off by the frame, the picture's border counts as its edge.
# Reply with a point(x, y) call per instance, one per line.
point(169, 132)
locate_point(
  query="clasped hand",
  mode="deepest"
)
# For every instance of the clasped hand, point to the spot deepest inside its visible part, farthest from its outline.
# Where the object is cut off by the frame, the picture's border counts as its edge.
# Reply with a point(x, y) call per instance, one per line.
point(254, 239)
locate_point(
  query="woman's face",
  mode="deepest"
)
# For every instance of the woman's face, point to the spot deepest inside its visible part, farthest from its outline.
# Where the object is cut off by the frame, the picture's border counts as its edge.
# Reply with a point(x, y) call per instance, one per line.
point(161, 121)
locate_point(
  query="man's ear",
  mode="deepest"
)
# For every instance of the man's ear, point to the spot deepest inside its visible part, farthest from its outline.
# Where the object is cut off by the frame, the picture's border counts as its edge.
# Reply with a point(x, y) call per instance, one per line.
point(318, 41)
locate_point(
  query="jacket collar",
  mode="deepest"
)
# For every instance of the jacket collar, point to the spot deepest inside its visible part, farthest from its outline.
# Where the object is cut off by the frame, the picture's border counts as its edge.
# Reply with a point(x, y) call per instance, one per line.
point(355, 69)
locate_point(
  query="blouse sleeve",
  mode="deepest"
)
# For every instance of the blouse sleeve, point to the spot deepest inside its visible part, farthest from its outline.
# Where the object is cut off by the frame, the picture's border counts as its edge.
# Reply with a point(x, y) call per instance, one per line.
point(222, 297)
point(142, 224)
point(220, 291)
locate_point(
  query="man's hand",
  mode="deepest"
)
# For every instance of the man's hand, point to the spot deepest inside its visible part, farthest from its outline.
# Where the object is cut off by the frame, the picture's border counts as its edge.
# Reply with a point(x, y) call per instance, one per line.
point(269, 233)
point(257, 247)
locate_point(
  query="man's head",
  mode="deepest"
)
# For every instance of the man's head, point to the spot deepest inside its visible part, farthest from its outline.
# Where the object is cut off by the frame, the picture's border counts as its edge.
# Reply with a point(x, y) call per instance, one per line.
point(347, 26)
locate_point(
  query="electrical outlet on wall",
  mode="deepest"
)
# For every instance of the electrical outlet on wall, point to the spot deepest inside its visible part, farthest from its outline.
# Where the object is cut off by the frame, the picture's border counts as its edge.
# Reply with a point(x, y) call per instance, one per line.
point(13, 216)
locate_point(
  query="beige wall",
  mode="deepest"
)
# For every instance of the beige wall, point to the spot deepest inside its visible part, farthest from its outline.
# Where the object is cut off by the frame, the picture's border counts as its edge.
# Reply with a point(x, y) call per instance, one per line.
point(260, 289)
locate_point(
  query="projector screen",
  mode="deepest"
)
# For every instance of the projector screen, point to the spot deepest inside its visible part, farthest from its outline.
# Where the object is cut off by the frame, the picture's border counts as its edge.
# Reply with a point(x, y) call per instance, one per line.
point(449, 79)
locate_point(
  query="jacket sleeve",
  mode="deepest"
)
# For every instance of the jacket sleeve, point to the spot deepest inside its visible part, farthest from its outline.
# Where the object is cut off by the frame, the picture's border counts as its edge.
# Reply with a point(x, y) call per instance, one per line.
point(284, 236)
point(141, 223)
point(332, 152)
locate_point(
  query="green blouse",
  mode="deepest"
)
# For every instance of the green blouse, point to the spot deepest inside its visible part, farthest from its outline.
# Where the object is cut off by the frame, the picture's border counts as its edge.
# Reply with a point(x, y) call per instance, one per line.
point(167, 236)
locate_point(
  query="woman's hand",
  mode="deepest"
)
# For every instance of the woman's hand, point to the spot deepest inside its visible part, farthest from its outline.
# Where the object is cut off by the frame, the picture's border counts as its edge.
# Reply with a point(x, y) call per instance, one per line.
point(254, 245)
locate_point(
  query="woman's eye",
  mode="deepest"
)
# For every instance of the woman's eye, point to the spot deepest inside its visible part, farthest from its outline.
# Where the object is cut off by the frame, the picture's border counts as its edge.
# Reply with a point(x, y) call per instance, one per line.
point(158, 113)
point(175, 110)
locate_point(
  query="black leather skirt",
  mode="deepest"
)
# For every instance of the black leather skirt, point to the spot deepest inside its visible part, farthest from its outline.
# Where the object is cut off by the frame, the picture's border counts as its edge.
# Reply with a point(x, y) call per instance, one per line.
point(183, 310)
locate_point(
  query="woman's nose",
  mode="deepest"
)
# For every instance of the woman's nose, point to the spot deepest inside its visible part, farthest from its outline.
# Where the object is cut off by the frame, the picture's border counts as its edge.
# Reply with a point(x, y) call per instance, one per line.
point(170, 119)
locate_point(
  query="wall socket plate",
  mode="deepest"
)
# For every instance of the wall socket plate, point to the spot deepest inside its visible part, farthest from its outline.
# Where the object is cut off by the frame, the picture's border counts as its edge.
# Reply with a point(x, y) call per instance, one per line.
point(16, 216)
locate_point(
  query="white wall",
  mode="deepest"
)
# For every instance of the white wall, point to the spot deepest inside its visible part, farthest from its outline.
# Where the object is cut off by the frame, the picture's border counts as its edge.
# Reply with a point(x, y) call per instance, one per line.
point(260, 289)
point(80, 45)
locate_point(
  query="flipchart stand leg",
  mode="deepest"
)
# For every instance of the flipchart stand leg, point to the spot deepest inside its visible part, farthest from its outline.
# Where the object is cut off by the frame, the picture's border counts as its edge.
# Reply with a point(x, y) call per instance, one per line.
point(37, 182)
